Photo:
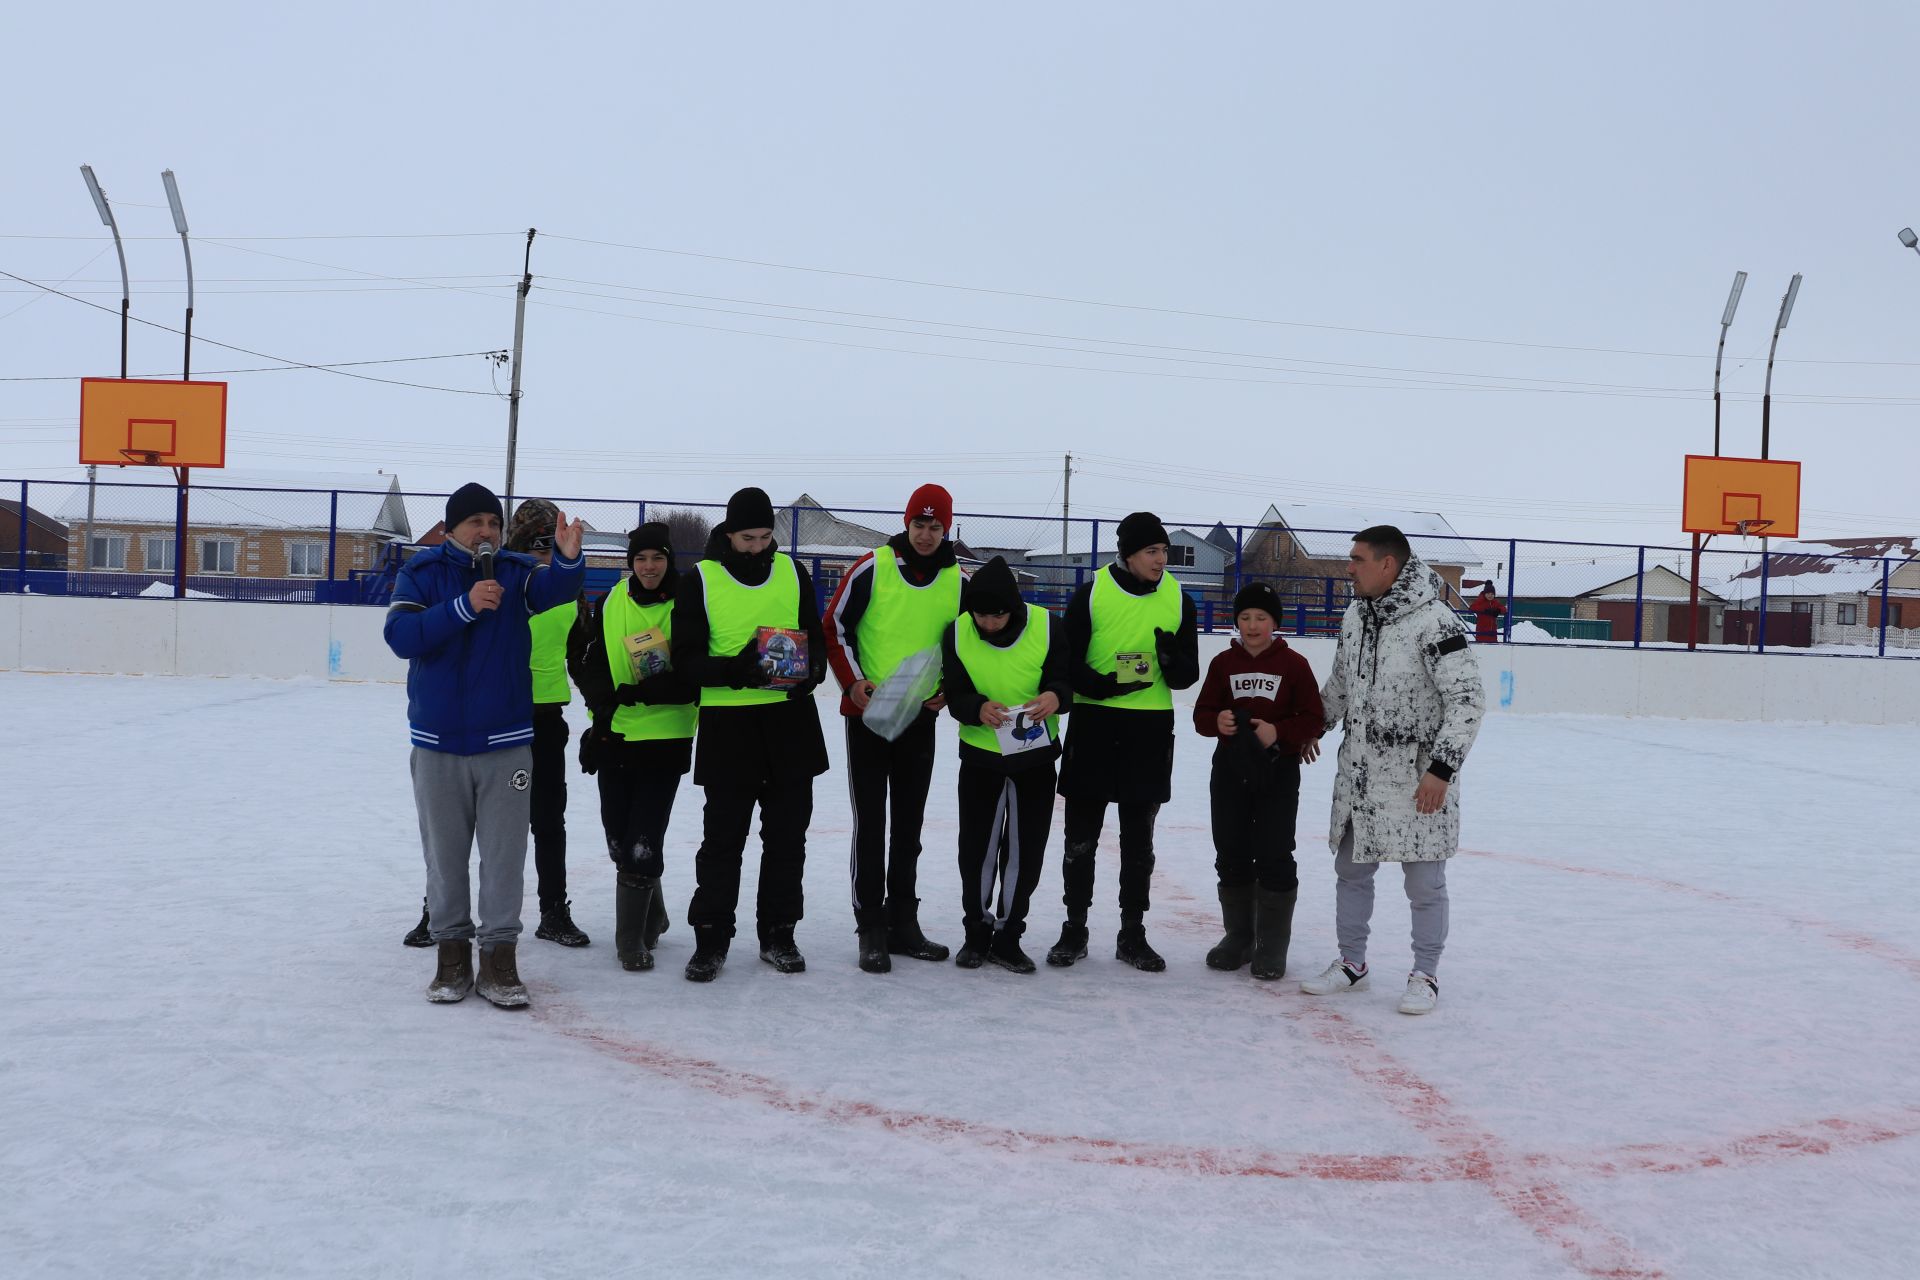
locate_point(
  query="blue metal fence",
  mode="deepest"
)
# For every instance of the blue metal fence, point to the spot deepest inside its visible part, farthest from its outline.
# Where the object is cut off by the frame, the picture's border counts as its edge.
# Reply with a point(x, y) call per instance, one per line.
point(346, 547)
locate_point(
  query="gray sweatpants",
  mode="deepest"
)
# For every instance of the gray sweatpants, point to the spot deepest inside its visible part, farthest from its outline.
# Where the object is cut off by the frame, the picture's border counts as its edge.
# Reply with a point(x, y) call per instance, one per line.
point(461, 798)
point(1426, 885)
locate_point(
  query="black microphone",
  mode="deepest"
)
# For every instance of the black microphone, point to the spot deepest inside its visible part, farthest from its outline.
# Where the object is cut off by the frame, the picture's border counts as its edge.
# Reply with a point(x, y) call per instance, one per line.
point(483, 560)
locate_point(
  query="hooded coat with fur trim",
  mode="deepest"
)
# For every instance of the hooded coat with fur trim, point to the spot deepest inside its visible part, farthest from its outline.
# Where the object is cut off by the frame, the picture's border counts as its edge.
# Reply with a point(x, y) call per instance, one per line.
point(1408, 688)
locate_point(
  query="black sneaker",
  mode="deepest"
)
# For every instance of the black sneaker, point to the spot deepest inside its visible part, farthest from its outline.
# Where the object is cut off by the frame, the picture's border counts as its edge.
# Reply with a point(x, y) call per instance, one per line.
point(1131, 946)
point(1006, 953)
point(778, 950)
point(557, 926)
point(1072, 946)
point(420, 935)
point(873, 950)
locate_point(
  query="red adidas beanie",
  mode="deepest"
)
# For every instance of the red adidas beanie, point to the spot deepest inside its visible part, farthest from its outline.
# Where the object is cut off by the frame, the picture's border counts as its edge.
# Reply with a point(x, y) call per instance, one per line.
point(931, 500)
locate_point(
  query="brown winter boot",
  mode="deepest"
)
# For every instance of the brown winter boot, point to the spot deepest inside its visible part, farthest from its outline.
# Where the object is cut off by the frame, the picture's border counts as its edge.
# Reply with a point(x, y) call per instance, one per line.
point(499, 978)
point(454, 978)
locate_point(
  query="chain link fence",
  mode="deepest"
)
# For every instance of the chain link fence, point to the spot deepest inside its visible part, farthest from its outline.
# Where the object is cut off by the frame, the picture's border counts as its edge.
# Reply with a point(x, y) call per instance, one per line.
point(339, 546)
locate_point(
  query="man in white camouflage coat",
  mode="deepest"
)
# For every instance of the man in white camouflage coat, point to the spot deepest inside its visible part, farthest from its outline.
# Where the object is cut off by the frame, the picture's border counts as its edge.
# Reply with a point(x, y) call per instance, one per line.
point(1408, 687)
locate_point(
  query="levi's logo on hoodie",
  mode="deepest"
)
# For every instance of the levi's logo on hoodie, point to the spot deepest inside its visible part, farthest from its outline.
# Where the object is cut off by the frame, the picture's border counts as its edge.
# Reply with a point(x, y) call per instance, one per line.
point(1254, 684)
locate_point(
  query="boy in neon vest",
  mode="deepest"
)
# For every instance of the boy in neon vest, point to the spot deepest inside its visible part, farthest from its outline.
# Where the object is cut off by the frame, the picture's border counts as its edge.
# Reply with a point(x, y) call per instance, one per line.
point(531, 534)
point(1005, 669)
point(758, 745)
point(1131, 643)
point(462, 625)
point(641, 741)
point(894, 602)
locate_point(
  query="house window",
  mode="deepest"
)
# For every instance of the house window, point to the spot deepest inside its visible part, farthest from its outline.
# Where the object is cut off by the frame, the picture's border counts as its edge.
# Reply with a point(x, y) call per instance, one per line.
point(1802, 606)
point(1893, 614)
point(156, 553)
point(1846, 615)
point(109, 551)
point(1179, 555)
point(306, 559)
point(217, 555)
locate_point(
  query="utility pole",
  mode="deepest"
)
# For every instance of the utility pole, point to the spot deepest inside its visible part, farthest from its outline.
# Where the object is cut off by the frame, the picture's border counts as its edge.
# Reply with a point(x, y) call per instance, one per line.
point(1066, 506)
point(126, 308)
point(513, 394)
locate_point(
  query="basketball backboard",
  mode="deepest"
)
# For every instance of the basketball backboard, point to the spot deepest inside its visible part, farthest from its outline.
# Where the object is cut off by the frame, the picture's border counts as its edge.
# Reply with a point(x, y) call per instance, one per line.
point(148, 422)
point(1741, 495)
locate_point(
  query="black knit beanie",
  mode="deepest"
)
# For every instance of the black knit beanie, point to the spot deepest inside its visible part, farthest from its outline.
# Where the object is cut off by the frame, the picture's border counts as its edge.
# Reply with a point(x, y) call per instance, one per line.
point(991, 589)
point(750, 508)
point(1141, 529)
point(1257, 595)
point(651, 536)
point(471, 500)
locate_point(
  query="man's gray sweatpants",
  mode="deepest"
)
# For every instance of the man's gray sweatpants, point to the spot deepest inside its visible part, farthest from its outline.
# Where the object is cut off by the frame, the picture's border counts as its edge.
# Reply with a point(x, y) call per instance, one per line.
point(1426, 885)
point(461, 798)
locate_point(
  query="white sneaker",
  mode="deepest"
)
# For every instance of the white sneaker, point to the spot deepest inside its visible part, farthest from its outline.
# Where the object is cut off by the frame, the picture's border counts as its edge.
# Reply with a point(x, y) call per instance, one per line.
point(1422, 994)
point(1336, 977)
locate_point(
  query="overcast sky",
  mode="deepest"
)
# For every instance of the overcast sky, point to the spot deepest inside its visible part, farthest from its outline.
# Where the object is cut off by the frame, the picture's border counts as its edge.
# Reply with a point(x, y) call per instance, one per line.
point(1462, 258)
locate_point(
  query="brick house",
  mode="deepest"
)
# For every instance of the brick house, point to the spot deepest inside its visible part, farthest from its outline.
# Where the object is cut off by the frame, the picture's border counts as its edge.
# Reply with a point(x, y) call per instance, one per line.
point(248, 530)
point(46, 538)
point(1834, 591)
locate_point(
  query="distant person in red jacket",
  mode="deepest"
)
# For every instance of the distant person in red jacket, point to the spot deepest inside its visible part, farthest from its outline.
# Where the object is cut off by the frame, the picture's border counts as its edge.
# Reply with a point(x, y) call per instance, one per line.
point(1262, 703)
point(1488, 613)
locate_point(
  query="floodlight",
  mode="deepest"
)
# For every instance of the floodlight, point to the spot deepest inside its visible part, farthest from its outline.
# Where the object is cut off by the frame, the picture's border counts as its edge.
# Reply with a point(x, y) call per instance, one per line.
point(1786, 303)
point(1733, 299)
point(173, 201)
point(99, 196)
point(1909, 239)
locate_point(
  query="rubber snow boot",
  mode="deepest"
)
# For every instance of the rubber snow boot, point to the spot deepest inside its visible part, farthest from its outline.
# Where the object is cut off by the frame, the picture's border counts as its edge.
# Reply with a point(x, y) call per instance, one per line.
point(632, 908)
point(657, 917)
point(556, 925)
point(1073, 942)
point(454, 977)
point(777, 949)
point(709, 954)
point(420, 935)
point(499, 981)
point(1132, 947)
point(973, 951)
point(873, 950)
point(1236, 910)
point(905, 939)
point(1272, 932)
point(1005, 952)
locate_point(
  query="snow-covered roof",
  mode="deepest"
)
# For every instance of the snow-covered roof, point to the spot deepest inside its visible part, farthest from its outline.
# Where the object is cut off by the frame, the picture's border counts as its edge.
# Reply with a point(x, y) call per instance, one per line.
point(248, 500)
point(1607, 578)
point(1326, 532)
point(1839, 578)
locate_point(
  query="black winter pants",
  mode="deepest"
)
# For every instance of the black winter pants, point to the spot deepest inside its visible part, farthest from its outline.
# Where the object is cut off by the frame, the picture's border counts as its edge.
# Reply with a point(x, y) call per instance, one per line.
point(1253, 820)
point(635, 804)
point(549, 802)
point(1004, 822)
point(885, 861)
point(1084, 819)
point(786, 808)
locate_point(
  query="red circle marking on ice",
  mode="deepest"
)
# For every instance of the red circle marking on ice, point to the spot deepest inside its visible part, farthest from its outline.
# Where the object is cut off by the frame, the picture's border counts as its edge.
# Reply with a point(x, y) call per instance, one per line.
point(1519, 1181)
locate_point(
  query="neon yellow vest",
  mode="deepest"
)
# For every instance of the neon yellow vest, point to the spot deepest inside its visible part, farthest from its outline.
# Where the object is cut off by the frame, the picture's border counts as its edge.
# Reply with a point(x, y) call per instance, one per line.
point(622, 617)
point(735, 612)
point(550, 653)
point(1125, 623)
point(1009, 676)
point(902, 619)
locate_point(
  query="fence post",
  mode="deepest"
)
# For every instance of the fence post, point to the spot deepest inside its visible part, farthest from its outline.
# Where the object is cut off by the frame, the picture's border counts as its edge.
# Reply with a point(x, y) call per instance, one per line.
point(23, 537)
point(643, 514)
point(1639, 597)
point(1760, 631)
point(1239, 557)
point(1513, 550)
point(333, 532)
point(1299, 616)
point(1886, 574)
point(793, 547)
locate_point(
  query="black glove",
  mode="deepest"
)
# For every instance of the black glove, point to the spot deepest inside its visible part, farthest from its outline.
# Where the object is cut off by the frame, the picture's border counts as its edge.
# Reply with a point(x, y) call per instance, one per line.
point(631, 695)
point(1106, 686)
point(1163, 649)
point(744, 670)
point(590, 751)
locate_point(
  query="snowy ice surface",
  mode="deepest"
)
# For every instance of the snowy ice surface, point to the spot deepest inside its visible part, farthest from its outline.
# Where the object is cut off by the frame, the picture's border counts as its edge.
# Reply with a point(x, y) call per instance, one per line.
point(1676, 1033)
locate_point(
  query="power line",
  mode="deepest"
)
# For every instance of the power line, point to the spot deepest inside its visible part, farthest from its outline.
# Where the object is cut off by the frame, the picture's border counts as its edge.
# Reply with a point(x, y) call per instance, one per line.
point(262, 355)
point(272, 368)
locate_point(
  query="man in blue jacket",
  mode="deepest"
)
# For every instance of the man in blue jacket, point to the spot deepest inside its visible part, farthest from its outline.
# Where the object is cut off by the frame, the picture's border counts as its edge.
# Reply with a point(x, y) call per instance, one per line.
point(460, 617)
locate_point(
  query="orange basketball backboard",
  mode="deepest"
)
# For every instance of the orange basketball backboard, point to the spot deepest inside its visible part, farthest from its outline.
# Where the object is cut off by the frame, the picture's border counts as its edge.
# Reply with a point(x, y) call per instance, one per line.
point(147, 422)
point(1724, 493)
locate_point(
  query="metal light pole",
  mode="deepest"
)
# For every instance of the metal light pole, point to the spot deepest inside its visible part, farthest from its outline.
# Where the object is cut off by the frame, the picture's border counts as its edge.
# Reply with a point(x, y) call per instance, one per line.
point(1909, 239)
point(126, 309)
point(1726, 321)
point(513, 394)
point(182, 475)
point(1766, 399)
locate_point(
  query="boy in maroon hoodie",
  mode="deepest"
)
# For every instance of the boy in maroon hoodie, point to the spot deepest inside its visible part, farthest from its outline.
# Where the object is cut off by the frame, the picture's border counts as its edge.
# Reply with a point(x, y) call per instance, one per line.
point(1262, 703)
